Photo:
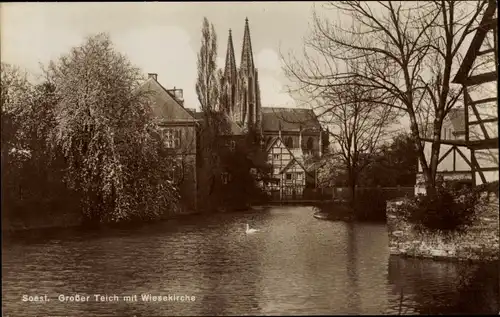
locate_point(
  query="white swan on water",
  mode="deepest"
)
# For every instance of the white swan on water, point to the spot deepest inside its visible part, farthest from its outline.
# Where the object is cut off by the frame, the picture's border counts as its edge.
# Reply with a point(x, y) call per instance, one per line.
point(250, 230)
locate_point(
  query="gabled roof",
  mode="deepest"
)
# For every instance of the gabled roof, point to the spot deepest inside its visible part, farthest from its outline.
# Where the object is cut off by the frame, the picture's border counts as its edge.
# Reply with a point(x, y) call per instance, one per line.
point(294, 157)
point(270, 143)
point(165, 107)
point(288, 119)
point(292, 161)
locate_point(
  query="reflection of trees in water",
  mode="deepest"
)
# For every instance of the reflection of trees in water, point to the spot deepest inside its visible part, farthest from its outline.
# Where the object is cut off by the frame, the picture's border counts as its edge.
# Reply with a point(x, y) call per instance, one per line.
point(229, 275)
point(439, 287)
point(354, 300)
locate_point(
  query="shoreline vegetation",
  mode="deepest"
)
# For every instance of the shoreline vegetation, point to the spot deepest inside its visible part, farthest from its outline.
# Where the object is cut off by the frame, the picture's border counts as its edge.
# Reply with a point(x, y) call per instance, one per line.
point(84, 149)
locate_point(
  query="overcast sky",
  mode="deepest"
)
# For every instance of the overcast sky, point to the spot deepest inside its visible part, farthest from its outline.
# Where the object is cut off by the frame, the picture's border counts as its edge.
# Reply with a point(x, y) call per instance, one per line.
point(161, 38)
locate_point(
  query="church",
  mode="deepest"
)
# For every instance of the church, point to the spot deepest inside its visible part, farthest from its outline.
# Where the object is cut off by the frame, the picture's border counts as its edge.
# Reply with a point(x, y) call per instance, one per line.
point(293, 137)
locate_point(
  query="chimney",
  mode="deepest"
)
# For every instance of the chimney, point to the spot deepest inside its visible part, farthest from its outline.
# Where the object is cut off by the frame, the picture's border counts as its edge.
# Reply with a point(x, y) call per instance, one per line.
point(177, 94)
point(153, 75)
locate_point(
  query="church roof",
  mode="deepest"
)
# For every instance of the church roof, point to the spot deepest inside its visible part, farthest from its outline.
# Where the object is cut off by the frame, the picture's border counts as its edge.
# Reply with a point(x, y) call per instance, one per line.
point(230, 70)
point(247, 64)
point(289, 119)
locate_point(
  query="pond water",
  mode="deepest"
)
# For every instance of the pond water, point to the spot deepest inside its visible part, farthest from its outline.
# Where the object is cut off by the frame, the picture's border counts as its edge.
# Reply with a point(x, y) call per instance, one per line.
point(295, 264)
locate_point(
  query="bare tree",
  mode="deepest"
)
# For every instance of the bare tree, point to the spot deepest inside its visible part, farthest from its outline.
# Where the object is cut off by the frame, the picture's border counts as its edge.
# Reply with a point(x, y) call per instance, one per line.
point(406, 51)
point(358, 124)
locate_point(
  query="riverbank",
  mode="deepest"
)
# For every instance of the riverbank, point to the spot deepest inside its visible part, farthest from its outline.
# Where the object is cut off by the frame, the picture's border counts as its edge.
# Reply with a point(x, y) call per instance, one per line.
point(55, 228)
point(480, 242)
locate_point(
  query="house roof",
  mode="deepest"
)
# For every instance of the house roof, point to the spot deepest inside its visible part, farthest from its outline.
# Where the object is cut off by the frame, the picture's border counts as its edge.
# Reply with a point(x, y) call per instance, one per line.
point(294, 156)
point(165, 106)
point(288, 119)
point(290, 163)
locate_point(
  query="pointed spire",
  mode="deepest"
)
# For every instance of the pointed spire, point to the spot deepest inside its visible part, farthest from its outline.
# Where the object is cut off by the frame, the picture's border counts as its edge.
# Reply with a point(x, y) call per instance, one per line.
point(230, 68)
point(247, 64)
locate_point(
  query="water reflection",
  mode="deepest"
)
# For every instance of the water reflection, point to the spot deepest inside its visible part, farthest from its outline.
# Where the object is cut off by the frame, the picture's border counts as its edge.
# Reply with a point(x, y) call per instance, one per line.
point(438, 287)
point(295, 265)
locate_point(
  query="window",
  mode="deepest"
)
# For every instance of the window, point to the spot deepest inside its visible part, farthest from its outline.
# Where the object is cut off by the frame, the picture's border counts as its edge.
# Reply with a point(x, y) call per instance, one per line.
point(276, 156)
point(289, 142)
point(276, 171)
point(172, 138)
point(176, 173)
point(299, 176)
point(310, 144)
point(288, 176)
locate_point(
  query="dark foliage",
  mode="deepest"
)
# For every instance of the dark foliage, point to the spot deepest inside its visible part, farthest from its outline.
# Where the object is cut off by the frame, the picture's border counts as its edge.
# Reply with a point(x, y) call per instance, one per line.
point(395, 165)
point(450, 209)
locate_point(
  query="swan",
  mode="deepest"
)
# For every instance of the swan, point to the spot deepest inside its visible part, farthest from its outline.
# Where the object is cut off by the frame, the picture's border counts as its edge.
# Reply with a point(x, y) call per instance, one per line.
point(250, 230)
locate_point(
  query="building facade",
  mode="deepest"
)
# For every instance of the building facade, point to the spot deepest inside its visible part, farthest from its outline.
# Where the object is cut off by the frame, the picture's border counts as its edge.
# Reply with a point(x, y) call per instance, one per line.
point(469, 146)
point(179, 128)
point(294, 135)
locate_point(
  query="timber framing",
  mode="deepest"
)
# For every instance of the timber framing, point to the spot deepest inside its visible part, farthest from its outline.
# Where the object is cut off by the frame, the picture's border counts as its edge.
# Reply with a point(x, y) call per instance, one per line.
point(466, 79)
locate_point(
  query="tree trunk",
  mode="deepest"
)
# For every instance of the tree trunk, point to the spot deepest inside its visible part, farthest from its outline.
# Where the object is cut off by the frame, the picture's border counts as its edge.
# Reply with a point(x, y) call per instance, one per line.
point(352, 188)
point(429, 177)
point(434, 159)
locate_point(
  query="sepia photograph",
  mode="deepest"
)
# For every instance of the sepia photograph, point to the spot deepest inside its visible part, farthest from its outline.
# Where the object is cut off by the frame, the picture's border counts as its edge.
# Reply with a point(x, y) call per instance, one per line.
point(260, 158)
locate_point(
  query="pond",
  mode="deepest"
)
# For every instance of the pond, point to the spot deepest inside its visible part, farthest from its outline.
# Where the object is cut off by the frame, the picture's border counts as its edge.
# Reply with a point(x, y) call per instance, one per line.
point(296, 264)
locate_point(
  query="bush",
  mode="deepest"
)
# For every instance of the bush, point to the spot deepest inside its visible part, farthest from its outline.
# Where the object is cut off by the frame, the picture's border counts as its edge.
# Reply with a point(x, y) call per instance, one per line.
point(451, 209)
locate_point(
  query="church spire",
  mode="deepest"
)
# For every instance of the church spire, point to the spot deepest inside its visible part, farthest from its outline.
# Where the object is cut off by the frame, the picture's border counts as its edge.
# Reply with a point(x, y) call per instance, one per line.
point(230, 68)
point(247, 64)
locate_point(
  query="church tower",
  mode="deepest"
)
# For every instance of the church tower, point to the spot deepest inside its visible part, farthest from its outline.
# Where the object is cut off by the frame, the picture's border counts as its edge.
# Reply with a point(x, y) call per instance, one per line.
point(230, 80)
point(241, 92)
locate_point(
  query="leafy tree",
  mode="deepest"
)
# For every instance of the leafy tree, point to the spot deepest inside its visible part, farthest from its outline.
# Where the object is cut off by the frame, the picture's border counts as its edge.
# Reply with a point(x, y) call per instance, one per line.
point(113, 148)
point(395, 165)
point(214, 124)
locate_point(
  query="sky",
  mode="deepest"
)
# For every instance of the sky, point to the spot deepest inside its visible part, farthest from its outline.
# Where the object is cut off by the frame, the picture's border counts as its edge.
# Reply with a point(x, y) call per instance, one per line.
point(162, 38)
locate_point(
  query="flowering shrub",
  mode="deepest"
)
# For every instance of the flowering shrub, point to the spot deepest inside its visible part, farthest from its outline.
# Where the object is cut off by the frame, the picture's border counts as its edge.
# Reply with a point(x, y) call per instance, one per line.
point(451, 209)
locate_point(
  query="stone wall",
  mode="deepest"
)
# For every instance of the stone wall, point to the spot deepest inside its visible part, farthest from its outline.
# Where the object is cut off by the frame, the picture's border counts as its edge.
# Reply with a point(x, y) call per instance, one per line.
point(478, 243)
